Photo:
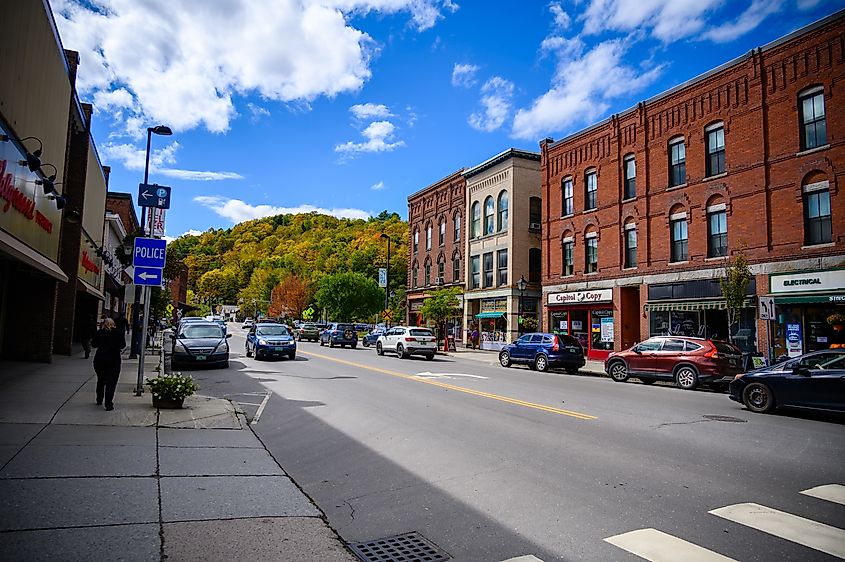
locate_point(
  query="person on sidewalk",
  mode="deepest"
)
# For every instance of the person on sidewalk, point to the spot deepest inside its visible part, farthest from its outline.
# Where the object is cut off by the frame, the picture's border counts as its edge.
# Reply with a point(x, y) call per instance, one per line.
point(109, 342)
point(86, 332)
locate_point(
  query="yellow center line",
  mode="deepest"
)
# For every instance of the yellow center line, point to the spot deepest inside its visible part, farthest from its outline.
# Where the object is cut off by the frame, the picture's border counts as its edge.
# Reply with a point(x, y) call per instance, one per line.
point(465, 390)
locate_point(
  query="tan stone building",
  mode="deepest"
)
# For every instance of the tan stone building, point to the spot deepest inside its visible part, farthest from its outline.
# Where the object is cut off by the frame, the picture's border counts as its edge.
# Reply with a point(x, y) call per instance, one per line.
point(503, 210)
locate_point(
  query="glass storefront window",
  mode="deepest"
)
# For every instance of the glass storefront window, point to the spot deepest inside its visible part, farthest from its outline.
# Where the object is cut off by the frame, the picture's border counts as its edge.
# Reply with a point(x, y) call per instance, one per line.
point(559, 322)
point(601, 329)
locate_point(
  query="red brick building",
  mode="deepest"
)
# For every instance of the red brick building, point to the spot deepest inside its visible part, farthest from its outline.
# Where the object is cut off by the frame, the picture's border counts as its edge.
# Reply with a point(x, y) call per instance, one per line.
point(642, 209)
point(437, 229)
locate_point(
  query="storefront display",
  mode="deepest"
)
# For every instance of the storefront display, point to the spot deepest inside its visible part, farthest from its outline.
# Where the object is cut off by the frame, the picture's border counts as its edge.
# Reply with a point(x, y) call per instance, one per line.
point(587, 316)
point(492, 324)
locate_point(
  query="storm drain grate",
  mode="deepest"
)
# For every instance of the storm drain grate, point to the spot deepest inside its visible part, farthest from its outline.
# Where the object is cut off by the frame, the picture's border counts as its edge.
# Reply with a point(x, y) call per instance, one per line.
point(408, 547)
point(714, 417)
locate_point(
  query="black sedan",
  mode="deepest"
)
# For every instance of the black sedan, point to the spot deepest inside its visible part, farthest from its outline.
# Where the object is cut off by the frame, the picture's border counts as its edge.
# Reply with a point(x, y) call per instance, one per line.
point(200, 343)
point(814, 381)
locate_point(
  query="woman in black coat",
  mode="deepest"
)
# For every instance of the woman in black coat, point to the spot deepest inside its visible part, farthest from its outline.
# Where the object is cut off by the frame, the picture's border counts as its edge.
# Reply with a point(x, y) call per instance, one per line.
point(109, 342)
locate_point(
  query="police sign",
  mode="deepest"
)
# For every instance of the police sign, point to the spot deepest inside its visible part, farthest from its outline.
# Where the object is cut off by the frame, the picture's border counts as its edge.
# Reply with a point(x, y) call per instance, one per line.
point(149, 252)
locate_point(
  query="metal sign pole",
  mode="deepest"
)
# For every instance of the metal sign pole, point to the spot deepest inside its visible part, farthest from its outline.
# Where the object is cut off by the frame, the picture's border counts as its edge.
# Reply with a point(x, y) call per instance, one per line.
point(139, 388)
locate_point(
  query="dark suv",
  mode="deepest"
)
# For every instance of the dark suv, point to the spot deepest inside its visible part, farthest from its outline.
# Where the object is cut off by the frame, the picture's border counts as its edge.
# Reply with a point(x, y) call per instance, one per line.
point(541, 351)
point(339, 334)
point(686, 361)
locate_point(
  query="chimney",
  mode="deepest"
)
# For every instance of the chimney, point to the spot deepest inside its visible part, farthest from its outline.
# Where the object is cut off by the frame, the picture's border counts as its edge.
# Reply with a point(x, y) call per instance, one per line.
point(72, 58)
point(106, 173)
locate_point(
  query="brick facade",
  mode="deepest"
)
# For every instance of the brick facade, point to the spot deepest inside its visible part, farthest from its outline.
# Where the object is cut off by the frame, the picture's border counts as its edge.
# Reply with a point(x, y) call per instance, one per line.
point(755, 100)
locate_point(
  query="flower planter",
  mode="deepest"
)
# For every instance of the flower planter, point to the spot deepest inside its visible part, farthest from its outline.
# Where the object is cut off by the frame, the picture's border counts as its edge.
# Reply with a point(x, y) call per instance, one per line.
point(167, 403)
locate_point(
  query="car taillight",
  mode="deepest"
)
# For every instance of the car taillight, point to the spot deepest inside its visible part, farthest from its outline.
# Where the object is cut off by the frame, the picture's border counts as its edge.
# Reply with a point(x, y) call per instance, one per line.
point(556, 345)
point(410, 339)
point(713, 353)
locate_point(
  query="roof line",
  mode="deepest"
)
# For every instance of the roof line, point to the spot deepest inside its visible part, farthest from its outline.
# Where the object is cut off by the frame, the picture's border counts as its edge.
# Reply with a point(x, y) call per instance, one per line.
point(438, 182)
point(501, 157)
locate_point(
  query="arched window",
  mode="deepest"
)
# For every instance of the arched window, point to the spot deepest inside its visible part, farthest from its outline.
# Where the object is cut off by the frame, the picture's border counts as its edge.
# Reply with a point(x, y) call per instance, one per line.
point(629, 165)
point(428, 237)
point(678, 234)
point(441, 269)
point(715, 163)
point(677, 162)
point(817, 216)
point(457, 223)
point(475, 228)
point(591, 189)
point(416, 240)
point(717, 228)
point(456, 267)
point(414, 271)
point(812, 116)
point(629, 235)
point(442, 234)
point(567, 197)
point(567, 247)
point(502, 223)
point(591, 251)
point(489, 212)
point(427, 278)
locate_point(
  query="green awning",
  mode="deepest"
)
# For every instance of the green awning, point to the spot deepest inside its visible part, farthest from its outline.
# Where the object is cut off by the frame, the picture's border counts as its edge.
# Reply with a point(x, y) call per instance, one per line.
point(490, 315)
point(840, 298)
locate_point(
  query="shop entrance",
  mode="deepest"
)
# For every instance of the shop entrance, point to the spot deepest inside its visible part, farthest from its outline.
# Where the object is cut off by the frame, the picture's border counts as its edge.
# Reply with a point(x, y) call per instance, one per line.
point(592, 327)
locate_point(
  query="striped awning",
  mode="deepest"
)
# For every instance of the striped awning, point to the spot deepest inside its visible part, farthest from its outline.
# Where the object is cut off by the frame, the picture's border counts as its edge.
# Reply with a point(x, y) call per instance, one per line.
point(692, 306)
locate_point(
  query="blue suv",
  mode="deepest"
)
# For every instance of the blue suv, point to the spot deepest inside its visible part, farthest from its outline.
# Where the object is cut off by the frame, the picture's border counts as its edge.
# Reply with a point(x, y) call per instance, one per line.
point(542, 351)
point(270, 340)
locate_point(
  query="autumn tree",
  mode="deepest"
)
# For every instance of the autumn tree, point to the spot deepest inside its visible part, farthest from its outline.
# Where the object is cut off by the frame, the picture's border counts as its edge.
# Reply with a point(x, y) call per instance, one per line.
point(291, 296)
point(349, 296)
point(734, 286)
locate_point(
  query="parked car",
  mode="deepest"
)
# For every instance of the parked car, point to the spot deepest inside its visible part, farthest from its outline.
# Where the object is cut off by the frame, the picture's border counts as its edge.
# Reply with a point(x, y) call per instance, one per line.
point(542, 351)
point(307, 331)
point(406, 341)
point(372, 337)
point(814, 380)
point(248, 323)
point(339, 334)
point(200, 343)
point(686, 361)
point(270, 339)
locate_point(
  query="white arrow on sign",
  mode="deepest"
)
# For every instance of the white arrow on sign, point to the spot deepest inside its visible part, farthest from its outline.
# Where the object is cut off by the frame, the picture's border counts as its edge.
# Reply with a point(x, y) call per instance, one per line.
point(146, 194)
point(144, 275)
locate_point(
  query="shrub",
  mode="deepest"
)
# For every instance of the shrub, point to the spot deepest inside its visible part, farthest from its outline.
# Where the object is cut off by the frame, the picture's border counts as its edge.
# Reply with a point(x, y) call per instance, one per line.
point(172, 387)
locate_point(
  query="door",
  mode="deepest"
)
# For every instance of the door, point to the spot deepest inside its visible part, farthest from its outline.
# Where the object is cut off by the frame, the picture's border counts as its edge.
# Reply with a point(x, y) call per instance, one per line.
point(519, 352)
point(642, 361)
point(665, 359)
point(579, 328)
point(825, 385)
point(534, 344)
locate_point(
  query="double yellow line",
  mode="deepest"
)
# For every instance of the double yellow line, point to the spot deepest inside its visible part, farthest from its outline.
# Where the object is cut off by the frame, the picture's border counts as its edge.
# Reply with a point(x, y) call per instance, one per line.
point(465, 390)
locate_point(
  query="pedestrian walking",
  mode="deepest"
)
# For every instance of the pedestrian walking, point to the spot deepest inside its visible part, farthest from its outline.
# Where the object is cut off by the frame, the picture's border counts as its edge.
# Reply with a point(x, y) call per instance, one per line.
point(86, 332)
point(121, 323)
point(473, 338)
point(109, 342)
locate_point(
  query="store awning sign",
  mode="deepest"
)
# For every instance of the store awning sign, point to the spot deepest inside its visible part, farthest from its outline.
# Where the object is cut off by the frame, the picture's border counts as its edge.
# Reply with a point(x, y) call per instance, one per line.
point(808, 281)
point(581, 297)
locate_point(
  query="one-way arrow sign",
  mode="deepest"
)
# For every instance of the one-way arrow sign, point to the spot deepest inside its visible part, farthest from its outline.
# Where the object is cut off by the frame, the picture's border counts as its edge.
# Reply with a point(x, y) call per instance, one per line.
point(153, 195)
point(147, 276)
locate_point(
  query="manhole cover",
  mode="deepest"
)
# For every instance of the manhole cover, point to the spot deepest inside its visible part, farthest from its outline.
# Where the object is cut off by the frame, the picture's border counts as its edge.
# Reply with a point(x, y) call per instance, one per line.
point(714, 417)
point(409, 547)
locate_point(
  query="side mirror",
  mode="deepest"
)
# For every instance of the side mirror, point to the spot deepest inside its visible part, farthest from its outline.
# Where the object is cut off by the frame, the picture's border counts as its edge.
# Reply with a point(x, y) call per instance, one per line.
point(801, 371)
point(636, 349)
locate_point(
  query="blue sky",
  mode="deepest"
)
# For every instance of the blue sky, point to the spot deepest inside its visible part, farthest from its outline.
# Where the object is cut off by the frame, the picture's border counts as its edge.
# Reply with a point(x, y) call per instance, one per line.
point(348, 106)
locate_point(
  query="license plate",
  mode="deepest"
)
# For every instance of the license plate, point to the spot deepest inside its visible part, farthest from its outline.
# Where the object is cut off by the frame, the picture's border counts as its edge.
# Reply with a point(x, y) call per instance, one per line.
point(278, 349)
point(200, 357)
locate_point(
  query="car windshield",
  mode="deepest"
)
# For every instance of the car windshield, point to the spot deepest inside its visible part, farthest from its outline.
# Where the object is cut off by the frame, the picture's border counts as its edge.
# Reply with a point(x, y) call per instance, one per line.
point(308, 326)
point(194, 332)
point(271, 331)
point(418, 332)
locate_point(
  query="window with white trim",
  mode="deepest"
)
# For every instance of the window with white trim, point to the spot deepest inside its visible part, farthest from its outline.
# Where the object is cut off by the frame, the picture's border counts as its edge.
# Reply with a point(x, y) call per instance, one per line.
point(677, 162)
point(630, 174)
point(717, 231)
point(591, 254)
point(567, 248)
point(630, 244)
point(591, 188)
point(679, 237)
point(566, 189)
point(715, 163)
point(817, 216)
point(812, 115)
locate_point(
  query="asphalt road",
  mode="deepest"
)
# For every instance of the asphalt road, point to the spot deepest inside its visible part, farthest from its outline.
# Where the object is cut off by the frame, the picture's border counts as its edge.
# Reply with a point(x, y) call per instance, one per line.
point(491, 463)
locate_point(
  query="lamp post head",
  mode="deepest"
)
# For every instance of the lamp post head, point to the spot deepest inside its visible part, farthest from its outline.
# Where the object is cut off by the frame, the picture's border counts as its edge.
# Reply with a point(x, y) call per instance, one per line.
point(521, 283)
point(385, 236)
point(163, 130)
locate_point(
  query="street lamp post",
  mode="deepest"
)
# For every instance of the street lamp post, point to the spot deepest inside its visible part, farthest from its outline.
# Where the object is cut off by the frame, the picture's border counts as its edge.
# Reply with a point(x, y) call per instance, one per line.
point(521, 286)
point(136, 328)
point(387, 276)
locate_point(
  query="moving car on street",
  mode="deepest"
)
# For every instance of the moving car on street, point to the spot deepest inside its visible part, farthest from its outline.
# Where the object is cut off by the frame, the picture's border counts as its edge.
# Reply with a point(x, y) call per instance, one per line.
point(372, 337)
point(542, 351)
point(814, 380)
point(200, 343)
point(248, 323)
point(339, 334)
point(270, 340)
point(406, 341)
point(307, 331)
point(688, 362)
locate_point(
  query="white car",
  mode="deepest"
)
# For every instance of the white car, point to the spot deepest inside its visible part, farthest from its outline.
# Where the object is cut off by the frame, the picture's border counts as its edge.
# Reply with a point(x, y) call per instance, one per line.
point(406, 341)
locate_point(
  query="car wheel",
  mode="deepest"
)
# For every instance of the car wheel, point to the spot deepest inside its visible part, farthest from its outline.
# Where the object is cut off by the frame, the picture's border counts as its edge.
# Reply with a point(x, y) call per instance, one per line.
point(757, 397)
point(248, 352)
point(400, 351)
point(379, 349)
point(321, 342)
point(505, 359)
point(429, 357)
point(619, 371)
point(225, 364)
point(541, 363)
point(331, 343)
point(365, 344)
point(686, 377)
point(292, 356)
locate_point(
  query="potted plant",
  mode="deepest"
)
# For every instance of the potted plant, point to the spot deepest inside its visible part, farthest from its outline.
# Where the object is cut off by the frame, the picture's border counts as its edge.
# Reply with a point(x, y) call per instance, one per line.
point(837, 321)
point(170, 391)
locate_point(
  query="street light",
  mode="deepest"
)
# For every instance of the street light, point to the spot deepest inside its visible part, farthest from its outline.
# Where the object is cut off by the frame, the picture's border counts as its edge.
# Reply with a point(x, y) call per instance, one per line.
point(387, 276)
point(136, 329)
point(521, 286)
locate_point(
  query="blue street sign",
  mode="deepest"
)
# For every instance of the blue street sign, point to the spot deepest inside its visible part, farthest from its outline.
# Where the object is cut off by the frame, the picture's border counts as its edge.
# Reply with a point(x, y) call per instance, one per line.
point(147, 276)
point(149, 252)
point(152, 195)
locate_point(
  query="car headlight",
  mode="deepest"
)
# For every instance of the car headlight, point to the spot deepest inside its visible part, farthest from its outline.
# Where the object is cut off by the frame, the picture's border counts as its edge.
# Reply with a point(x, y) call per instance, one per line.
point(262, 341)
point(180, 347)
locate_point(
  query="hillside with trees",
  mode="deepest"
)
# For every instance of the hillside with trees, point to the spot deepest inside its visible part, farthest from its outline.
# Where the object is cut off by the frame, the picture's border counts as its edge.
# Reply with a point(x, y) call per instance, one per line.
point(278, 263)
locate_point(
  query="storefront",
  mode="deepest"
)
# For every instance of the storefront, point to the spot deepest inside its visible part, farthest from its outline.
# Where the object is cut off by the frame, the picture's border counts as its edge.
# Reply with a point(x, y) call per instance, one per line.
point(492, 323)
point(587, 316)
point(452, 325)
point(809, 311)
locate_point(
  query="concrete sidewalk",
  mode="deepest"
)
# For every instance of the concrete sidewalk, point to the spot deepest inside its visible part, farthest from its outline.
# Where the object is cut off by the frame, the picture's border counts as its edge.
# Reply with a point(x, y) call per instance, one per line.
point(80, 483)
point(492, 358)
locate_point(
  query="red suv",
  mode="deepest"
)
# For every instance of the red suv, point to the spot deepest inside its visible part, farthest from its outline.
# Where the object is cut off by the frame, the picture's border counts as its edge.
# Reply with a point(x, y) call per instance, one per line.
point(686, 361)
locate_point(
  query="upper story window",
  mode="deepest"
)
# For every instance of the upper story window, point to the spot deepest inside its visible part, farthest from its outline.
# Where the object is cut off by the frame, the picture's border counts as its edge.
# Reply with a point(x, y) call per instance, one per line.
point(535, 213)
point(416, 240)
point(630, 235)
point(456, 268)
point(457, 227)
point(475, 272)
point(591, 188)
point(677, 162)
point(678, 237)
point(717, 231)
point(817, 217)
point(488, 269)
point(591, 255)
point(813, 124)
point(567, 260)
point(502, 223)
point(475, 227)
point(414, 275)
point(428, 237)
point(441, 272)
point(715, 163)
point(567, 207)
point(442, 237)
point(427, 273)
point(489, 212)
point(630, 167)
point(502, 267)
point(535, 265)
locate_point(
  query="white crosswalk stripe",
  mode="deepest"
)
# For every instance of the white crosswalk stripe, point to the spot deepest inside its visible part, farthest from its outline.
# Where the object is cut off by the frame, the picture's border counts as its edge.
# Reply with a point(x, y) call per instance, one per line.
point(657, 546)
point(830, 492)
point(807, 532)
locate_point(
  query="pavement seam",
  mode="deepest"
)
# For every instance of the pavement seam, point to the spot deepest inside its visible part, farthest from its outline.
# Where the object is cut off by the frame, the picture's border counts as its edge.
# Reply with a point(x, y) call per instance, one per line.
point(162, 556)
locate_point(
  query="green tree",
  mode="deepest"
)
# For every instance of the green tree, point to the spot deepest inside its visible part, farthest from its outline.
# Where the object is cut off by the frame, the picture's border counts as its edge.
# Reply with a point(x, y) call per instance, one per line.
point(349, 296)
point(734, 286)
point(442, 304)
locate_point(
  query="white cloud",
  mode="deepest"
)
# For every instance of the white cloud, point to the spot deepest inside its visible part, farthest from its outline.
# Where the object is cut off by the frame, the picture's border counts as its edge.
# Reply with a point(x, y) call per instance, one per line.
point(666, 20)
point(190, 232)
point(133, 158)
point(808, 4)
point(378, 135)
point(257, 112)
point(562, 19)
point(497, 94)
point(747, 21)
point(183, 66)
point(239, 211)
point(377, 186)
point(370, 111)
point(581, 89)
point(463, 75)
